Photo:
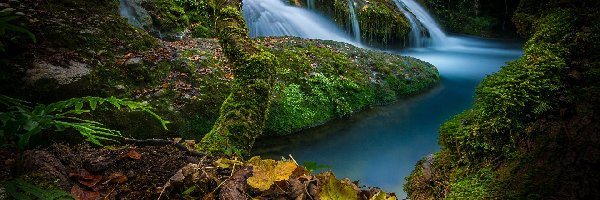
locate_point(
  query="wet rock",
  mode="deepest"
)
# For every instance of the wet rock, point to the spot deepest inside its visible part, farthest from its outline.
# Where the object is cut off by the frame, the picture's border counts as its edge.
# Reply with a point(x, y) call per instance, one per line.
point(63, 75)
point(136, 15)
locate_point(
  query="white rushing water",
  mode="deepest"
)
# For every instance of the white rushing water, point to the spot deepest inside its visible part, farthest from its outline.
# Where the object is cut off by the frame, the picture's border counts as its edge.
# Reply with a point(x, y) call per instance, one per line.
point(354, 20)
point(274, 18)
point(421, 23)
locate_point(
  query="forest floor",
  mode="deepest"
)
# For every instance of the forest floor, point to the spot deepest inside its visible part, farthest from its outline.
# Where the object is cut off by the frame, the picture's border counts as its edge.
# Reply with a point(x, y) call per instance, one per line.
point(155, 169)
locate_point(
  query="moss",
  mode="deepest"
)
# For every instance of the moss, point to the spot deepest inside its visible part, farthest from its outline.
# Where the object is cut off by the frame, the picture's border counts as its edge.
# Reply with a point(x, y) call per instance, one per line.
point(380, 21)
point(489, 19)
point(500, 147)
point(322, 80)
point(171, 18)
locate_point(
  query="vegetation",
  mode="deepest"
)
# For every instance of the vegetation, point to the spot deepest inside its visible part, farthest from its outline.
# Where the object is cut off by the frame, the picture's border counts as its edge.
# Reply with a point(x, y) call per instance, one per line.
point(6, 24)
point(499, 148)
point(381, 23)
point(321, 80)
point(19, 189)
point(473, 16)
point(22, 122)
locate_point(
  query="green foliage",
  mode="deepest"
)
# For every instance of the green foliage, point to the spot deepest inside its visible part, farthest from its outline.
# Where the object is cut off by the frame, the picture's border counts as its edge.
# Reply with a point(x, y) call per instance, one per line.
point(477, 185)
point(173, 16)
point(6, 24)
point(19, 120)
point(317, 81)
point(312, 166)
point(469, 16)
point(488, 151)
point(21, 190)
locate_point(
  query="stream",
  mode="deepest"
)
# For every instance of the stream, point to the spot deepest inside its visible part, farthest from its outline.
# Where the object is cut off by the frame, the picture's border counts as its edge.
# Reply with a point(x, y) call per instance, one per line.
point(381, 145)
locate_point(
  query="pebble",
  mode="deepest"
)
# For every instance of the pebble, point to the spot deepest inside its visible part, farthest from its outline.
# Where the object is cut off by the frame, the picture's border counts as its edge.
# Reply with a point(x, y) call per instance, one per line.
point(7, 10)
point(20, 13)
point(5, 5)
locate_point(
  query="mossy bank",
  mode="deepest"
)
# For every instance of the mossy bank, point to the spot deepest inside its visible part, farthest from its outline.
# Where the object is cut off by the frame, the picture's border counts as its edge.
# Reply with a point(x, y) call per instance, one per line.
point(532, 131)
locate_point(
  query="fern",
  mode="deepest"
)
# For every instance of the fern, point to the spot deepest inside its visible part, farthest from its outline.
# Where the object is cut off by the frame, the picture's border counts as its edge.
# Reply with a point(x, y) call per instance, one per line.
point(21, 190)
point(23, 121)
point(6, 19)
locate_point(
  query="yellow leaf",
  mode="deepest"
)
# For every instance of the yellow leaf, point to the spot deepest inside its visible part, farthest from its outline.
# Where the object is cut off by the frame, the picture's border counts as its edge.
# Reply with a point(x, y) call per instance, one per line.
point(227, 163)
point(266, 172)
point(333, 189)
point(381, 195)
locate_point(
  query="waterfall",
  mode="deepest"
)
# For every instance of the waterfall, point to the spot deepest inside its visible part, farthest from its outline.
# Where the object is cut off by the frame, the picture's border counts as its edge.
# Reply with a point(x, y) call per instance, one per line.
point(274, 18)
point(310, 4)
point(421, 23)
point(354, 20)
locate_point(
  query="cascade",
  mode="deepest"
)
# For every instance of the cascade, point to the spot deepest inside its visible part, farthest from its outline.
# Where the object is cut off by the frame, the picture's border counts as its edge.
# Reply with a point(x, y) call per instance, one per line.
point(421, 23)
point(310, 4)
point(354, 20)
point(275, 18)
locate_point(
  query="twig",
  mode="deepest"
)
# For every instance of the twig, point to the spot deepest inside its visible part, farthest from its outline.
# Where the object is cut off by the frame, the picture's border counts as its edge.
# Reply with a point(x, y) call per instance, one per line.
point(293, 159)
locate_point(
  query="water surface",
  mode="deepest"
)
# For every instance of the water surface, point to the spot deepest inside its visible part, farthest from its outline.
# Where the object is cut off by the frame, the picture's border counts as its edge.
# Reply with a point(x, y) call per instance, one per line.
point(380, 146)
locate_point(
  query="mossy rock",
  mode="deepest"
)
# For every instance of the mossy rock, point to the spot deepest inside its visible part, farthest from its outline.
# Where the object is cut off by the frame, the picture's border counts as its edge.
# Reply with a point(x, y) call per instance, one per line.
point(188, 80)
point(381, 22)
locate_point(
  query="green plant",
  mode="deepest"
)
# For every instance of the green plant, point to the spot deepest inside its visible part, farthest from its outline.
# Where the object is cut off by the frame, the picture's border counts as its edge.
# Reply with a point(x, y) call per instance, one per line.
point(312, 166)
point(6, 19)
point(19, 189)
point(18, 120)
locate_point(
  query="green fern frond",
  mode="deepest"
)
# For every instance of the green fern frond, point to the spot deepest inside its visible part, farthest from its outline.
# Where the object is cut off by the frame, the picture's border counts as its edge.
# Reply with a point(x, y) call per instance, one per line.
point(22, 190)
point(23, 121)
point(5, 25)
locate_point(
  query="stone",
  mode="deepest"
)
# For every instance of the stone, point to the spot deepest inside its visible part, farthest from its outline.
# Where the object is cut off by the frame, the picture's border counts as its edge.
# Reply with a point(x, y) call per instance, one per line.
point(134, 61)
point(63, 75)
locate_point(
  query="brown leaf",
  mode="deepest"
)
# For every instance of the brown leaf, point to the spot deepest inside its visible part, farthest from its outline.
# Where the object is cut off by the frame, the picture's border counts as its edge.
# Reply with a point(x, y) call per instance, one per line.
point(117, 177)
point(85, 178)
point(82, 194)
point(134, 155)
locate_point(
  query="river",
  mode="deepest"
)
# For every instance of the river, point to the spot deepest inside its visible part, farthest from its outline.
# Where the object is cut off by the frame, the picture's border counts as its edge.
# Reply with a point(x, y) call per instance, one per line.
point(380, 146)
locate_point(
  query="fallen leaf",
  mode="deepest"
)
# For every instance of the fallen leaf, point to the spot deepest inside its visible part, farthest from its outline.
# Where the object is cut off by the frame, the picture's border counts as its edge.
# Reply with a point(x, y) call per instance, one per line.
point(117, 177)
point(227, 163)
point(85, 178)
point(266, 172)
point(134, 155)
point(82, 194)
point(382, 196)
point(335, 189)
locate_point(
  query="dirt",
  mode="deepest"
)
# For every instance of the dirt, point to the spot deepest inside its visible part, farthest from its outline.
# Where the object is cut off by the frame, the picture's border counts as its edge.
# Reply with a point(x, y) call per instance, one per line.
point(140, 171)
point(155, 170)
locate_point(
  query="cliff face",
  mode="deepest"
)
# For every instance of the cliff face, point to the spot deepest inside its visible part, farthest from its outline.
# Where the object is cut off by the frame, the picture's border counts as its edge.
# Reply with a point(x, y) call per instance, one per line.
point(532, 131)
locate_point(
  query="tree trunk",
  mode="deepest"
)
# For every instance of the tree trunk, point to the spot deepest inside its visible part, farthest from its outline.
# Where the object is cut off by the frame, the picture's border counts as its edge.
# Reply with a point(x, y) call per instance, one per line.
point(243, 114)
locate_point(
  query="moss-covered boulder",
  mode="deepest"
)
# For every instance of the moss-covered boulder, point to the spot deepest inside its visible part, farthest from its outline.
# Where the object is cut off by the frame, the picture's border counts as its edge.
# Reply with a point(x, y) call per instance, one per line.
point(97, 53)
point(381, 22)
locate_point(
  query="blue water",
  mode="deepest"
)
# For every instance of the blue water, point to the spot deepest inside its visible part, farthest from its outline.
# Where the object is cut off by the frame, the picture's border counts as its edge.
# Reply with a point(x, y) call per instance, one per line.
point(381, 145)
